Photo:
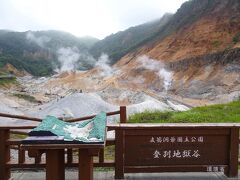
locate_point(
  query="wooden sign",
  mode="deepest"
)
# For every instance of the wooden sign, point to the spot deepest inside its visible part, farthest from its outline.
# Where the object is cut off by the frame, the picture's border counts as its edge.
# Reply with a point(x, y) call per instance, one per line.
point(171, 147)
point(176, 148)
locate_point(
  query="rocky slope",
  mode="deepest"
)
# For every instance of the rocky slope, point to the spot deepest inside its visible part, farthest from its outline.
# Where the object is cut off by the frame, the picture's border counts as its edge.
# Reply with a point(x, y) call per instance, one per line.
point(197, 28)
point(213, 77)
point(199, 46)
point(202, 80)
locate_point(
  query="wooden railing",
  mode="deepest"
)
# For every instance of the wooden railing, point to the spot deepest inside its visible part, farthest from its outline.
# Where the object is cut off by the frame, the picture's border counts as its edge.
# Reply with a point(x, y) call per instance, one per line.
point(7, 143)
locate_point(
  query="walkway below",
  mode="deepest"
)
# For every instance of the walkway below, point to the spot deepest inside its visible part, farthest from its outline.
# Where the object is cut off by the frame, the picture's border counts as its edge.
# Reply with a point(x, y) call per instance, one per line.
point(109, 175)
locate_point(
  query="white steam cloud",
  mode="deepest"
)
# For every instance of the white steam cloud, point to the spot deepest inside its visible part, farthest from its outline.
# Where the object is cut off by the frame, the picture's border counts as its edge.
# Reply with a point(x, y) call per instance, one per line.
point(68, 58)
point(107, 70)
point(41, 41)
point(167, 76)
point(103, 63)
point(72, 59)
point(159, 68)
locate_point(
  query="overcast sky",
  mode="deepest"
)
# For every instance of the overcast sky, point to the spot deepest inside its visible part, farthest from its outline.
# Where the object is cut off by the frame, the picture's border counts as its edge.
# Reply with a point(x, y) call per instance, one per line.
point(97, 18)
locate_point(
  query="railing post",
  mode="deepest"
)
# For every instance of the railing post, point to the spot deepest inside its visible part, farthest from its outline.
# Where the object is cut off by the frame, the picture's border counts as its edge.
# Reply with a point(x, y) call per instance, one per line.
point(123, 114)
point(21, 155)
point(69, 156)
point(101, 156)
point(4, 154)
point(119, 154)
point(38, 159)
point(233, 159)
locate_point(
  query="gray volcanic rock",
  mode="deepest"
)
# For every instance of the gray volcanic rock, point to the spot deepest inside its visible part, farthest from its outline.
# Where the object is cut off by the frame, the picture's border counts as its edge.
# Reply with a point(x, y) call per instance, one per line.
point(76, 105)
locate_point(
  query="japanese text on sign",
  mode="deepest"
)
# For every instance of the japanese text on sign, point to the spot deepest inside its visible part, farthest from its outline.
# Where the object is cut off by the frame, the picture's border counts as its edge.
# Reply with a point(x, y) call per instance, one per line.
point(176, 154)
point(215, 169)
point(178, 139)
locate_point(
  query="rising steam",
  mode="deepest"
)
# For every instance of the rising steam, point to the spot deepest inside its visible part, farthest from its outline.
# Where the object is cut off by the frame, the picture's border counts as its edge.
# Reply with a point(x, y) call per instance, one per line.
point(167, 76)
point(159, 68)
point(68, 58)
point(104, 64)
point(40, 41)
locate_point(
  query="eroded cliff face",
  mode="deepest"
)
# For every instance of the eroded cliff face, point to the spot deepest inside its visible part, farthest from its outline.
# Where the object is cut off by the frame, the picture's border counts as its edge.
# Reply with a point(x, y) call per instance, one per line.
point(207, 79)
point(214, 77)
point(206, 36)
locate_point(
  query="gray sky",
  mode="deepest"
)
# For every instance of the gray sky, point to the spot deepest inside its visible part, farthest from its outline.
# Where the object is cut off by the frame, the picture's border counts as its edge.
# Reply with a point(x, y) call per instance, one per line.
point(97, 18)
